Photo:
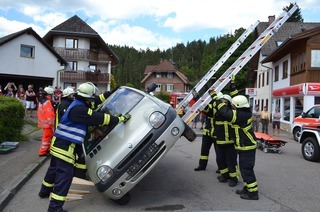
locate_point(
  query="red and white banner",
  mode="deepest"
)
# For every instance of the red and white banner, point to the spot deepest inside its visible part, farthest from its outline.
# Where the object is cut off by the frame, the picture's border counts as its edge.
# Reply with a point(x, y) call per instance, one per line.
point(251, 91)
point(313, 89)
point(294, 90)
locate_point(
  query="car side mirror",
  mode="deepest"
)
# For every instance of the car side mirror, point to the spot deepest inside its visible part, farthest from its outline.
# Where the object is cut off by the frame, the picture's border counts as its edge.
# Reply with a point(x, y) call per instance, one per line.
point(152, 87)
point(303, 114)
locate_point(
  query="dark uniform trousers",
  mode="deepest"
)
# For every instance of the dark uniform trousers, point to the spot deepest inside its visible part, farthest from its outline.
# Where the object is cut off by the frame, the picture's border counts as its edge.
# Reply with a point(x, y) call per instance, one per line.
point(246, 164)
point(227, 160)
point(58, 171)
point(207, 142)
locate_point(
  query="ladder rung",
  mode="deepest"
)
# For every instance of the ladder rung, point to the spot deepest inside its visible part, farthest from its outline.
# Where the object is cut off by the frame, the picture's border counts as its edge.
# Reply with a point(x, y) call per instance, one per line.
point(253, 47)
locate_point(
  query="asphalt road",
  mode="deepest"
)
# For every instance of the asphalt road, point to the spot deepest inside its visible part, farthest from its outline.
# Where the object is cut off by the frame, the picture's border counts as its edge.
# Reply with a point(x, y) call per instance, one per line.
point(286, 181)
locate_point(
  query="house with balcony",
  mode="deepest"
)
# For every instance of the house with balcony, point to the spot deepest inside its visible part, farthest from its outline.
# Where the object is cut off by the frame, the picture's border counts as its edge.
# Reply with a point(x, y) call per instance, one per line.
point(263, 72)
point(167, 77)
point(296, 73)
point(27, 59)
point(88, 57)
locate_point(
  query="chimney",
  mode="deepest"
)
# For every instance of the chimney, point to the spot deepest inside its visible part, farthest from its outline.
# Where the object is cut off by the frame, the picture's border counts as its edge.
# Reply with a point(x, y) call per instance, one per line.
point(271, 18)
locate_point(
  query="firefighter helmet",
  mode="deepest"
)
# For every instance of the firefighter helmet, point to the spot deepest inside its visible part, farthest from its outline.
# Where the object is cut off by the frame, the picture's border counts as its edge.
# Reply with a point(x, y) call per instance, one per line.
point(87, 90)
point(67, 91)
point(219, 95)
point(49, 90)
point(226, 97)
point(240, 101)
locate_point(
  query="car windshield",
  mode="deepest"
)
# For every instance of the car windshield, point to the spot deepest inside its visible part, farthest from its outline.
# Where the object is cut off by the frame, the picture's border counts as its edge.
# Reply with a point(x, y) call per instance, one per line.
point(120, 102)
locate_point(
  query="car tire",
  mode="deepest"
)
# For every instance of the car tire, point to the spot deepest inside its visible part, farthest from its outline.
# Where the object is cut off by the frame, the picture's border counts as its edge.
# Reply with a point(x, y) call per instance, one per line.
point(310, 149)
point(296, 133)
point(123, 200)
point(189, 133)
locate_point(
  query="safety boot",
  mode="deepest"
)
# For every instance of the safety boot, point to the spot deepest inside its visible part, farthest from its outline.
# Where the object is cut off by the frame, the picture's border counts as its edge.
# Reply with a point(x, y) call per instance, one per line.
point(250, 196)
point(44, 194)
point(202, 165)
point(233, 182)
point(243, 191)
point(56, 210)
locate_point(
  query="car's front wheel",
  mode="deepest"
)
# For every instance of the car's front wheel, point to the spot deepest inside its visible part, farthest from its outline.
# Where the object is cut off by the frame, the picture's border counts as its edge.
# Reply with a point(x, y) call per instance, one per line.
point(310, 149)
point(189, 133)
point(296, 133)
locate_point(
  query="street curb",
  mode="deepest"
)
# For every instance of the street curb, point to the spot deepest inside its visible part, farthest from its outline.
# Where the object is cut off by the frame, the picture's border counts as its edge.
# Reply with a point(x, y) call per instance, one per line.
point(17, 182)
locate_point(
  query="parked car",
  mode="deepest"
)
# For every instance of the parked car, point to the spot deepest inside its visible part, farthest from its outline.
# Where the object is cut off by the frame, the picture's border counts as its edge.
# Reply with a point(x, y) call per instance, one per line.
point(298, 111)
point(309, 117)
point(119, 157)
point(310, 141)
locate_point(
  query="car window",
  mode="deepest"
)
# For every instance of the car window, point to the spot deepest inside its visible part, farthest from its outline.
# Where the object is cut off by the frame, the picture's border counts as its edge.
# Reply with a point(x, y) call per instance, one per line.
point(120, 102)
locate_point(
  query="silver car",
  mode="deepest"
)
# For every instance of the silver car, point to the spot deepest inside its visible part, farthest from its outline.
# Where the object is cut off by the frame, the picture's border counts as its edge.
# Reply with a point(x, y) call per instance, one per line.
point(119, 157)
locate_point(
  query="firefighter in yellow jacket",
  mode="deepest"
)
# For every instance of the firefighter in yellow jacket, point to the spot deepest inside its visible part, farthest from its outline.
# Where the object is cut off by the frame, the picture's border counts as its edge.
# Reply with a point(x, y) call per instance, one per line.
point(245, 142)
point(46, 117)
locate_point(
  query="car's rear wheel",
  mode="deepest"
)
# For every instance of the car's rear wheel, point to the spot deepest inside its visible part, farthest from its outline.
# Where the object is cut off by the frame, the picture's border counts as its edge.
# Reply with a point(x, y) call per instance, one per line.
point(189, 133)
point(296, 133)
point(310, 149)
point(123, 200)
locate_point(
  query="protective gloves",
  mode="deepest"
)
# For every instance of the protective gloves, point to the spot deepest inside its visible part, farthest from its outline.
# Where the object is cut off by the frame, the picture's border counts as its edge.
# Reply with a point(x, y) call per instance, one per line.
point(124, 118)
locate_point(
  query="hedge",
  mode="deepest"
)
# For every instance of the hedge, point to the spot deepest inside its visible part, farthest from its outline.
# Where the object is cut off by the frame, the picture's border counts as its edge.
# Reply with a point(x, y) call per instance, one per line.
point(12, 113)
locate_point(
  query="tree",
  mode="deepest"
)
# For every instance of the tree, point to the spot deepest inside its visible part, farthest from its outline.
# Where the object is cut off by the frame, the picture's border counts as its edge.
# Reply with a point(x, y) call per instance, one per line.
point(296, 16)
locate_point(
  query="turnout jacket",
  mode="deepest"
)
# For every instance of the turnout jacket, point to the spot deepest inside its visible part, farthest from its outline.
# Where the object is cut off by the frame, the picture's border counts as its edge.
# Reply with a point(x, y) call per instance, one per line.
point(240, 119)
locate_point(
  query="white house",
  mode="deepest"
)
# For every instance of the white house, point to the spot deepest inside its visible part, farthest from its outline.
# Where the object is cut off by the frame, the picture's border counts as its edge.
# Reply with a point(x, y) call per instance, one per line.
point(27, 59)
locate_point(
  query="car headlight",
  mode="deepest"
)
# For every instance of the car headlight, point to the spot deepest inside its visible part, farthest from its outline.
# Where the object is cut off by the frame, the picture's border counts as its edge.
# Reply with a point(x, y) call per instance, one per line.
point(156, 119)
point(104, 173)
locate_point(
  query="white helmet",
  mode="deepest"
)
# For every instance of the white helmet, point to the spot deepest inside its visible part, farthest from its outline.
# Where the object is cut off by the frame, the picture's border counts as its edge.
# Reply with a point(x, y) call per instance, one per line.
point(219, 95)
point(87, 90)
point(240, 101)
point(67, 91)
point(49, 90)
point(227, 97)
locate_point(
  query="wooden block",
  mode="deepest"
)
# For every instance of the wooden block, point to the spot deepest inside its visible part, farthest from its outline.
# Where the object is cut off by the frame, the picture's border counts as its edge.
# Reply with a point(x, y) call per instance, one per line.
point(74, 191)
point(74, 195)
point(73, 198)
point(80, 181)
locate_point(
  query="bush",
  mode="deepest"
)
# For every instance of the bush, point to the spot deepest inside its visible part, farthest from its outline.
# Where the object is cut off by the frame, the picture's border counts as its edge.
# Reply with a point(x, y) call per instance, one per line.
point(163, 96)
point(12, 113)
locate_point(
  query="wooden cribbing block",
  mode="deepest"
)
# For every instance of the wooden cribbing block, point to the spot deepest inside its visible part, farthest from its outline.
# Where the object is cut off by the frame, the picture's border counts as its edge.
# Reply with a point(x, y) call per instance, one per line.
point(74, 191)
point(80, 181)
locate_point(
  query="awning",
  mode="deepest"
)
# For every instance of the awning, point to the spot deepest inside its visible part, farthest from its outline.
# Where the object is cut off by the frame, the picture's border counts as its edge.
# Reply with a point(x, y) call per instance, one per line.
point(289, 91)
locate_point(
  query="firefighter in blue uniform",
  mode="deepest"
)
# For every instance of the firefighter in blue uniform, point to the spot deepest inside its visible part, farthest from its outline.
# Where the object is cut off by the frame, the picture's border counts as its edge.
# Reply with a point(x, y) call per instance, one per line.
point(245, 142)
point(71, 131)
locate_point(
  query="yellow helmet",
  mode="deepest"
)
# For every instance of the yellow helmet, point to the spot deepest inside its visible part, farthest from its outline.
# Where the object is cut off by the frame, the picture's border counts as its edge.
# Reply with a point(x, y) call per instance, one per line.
point(219, 95)
point(67, 91)
point(227, 97)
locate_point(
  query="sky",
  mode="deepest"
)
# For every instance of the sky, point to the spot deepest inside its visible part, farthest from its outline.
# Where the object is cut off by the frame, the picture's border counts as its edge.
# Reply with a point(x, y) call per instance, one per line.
point(148, 24)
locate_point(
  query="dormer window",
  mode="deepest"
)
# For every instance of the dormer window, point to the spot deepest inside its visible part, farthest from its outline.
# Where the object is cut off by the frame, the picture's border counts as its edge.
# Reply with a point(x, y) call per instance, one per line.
point(279, 42)
point(158, 75)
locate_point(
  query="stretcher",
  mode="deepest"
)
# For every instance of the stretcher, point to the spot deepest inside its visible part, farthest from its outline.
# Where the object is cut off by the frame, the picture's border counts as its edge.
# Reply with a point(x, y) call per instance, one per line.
point(268, 143)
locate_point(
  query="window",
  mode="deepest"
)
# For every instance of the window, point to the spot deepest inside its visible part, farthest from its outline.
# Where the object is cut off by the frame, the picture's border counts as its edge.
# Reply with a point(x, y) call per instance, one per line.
point(158, 75)
point(71, 43)
point(294, 64)
point(170, 75)
point(315, 58)
point(259, 80)
point(262, 79)
point(158, 89)
point(27, 51)
point(267, 82)
point(73, 65)
point(279, 43)
point(285, 69)
point(169, 87)
point(302, 61)
point(276, 73)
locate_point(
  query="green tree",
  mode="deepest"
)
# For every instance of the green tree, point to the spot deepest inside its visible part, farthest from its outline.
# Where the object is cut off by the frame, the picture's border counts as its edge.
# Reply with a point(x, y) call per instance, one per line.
point(296, 16)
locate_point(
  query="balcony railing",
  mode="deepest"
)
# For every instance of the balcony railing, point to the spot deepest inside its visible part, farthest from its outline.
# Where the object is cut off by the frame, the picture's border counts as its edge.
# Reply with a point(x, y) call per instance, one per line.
point(82, 54)
point(82, 76)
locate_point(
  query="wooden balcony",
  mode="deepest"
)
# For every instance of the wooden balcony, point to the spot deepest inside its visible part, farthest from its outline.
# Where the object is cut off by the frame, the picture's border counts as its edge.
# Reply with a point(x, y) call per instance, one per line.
point(82, 76)
point(82, 54)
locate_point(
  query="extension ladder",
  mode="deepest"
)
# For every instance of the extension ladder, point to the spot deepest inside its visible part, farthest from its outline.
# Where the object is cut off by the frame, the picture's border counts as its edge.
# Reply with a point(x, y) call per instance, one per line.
point(225, 78)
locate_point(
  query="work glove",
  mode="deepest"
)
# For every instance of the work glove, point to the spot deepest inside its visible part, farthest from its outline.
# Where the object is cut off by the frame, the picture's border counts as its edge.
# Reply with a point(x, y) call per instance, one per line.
point(233, 78)
point(124, 118)
point(213, 94)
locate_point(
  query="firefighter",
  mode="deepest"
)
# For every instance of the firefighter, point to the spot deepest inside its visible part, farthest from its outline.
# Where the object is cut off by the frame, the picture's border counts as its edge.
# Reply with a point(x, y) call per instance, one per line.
point(46, 118)
point(227, 155)
point(208, 137)
point(72, 130)
point(245, 142)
